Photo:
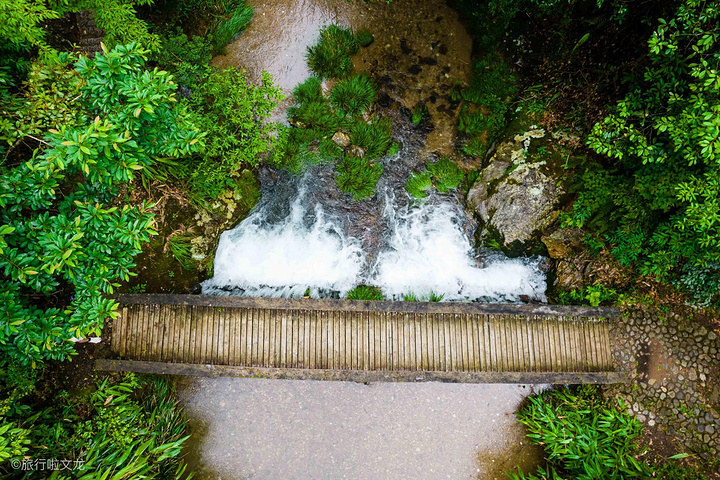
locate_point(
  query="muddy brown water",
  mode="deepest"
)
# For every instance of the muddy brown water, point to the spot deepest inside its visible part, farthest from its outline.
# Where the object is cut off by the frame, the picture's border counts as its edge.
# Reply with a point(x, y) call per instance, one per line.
point(264, 429)
point(421, 50)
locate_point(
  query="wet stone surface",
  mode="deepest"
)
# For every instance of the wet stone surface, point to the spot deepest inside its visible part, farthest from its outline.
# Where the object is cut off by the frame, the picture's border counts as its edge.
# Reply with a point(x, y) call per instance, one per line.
point(676, 361)
point(290, 429)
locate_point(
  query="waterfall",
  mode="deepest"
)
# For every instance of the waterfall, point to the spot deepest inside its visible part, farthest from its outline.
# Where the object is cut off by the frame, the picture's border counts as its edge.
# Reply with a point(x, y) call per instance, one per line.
point(291, 244)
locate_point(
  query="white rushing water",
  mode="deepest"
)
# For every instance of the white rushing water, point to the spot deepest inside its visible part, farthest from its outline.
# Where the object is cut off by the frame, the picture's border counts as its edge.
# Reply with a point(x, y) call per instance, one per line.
point(424, 250)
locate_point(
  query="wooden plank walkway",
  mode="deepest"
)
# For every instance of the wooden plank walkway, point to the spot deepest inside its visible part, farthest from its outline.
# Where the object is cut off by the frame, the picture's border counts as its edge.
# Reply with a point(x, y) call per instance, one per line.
point(338, 339)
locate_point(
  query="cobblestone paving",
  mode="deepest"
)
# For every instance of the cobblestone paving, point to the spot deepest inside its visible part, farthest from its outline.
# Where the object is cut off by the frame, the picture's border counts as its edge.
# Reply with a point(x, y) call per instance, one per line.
point(676, 385)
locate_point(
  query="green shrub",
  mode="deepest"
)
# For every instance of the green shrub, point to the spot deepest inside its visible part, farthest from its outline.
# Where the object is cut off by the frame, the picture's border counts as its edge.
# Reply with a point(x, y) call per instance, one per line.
point(354, 95)
point(229, 29)
point(331, 56)
point(365, 292)
point(656, 201)
point(446, 174)
point(364, 38)
point(374, 137)
point(232, 112)
point(583, 436)
point(419, 184)
point(358, 176)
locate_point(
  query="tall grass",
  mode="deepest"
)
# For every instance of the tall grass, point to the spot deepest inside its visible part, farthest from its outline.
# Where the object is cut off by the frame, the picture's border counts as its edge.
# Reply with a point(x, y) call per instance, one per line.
point(358, 176)
point(447, 175)
point(583, 436)
point(330, 58)
point(229, 29)
point(374, 137)
point(365, 292)
point(419, 184)
point(354, 95)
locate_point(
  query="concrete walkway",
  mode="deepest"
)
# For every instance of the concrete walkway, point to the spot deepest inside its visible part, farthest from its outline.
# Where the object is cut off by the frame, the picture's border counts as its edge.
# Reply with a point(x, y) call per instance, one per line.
point(269, 429)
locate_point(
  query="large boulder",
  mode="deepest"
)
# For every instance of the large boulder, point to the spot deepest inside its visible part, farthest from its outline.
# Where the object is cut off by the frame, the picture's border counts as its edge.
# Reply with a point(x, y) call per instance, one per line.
point(513, 195)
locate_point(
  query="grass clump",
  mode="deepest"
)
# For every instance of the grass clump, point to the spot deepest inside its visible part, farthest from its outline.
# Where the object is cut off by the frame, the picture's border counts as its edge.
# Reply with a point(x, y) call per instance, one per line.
point(330, 58)
point(447, 174)
point(229, 29)
point(364, 38)
point(358, 176)
point(354, 95)
point(374, 137)
point(420, 115)
point(365, 292)
point(309, 91)
point(179, 244)
point(419, 184)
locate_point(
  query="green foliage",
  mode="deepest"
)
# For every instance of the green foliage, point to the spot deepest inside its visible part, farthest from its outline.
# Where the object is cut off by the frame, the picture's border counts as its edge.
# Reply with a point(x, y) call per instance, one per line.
point(662, 190)
point(419, 184)
point(309, 91)
point(373, 137)
point(20, 20)
point(446, 174)
point(129, 429)
point(331, 56)
point(419, 115)
point(60, 240)
point(593, 295)
point(229, 29)
point(487, 101)
point(365, 292)
point(358, 176)
point(232, 112)
point(394, 149)
point(410, 297)
point(364, 38)
point(354, 95)
point(180, 246)
point(584, 437)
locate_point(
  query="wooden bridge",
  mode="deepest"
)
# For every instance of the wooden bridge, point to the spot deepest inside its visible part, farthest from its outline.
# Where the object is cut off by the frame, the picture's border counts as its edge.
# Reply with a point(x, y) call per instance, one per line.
point(361, 340)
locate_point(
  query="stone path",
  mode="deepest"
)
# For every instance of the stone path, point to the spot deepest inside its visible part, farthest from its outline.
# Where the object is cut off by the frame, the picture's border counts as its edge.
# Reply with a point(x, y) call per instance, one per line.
point(677, 386)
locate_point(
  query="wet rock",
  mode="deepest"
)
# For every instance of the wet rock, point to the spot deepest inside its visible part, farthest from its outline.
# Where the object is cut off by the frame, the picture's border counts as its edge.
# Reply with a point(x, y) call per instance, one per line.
point(341, 139)
point(512, 195)
point(569, 275)
point(563, 242)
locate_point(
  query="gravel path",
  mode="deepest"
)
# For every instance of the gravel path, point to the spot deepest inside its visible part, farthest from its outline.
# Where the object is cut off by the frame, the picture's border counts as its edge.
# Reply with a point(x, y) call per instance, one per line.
point(270, 429)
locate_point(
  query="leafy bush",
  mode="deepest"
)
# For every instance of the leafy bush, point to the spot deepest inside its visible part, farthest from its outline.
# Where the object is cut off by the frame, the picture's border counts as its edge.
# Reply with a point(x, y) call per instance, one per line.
point(657, 202)
point(331, 56)
point(232, 112)
point(583, 436)
point(358, 176)
point(419, 184)
point(365, 292)
point(354, 95)
point(229, 29)
point(59, 239)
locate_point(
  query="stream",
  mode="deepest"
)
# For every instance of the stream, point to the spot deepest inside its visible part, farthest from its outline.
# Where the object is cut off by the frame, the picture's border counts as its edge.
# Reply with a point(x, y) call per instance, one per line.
point(305, 236)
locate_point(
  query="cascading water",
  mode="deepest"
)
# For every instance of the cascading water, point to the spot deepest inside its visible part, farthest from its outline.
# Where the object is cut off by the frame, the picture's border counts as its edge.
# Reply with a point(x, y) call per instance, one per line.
point(292, 243)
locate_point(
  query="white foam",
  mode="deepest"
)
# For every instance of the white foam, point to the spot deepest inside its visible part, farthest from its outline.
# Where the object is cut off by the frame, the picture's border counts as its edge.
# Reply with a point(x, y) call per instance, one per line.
point(425, 250)
point(430, 253)
point(286, 258)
